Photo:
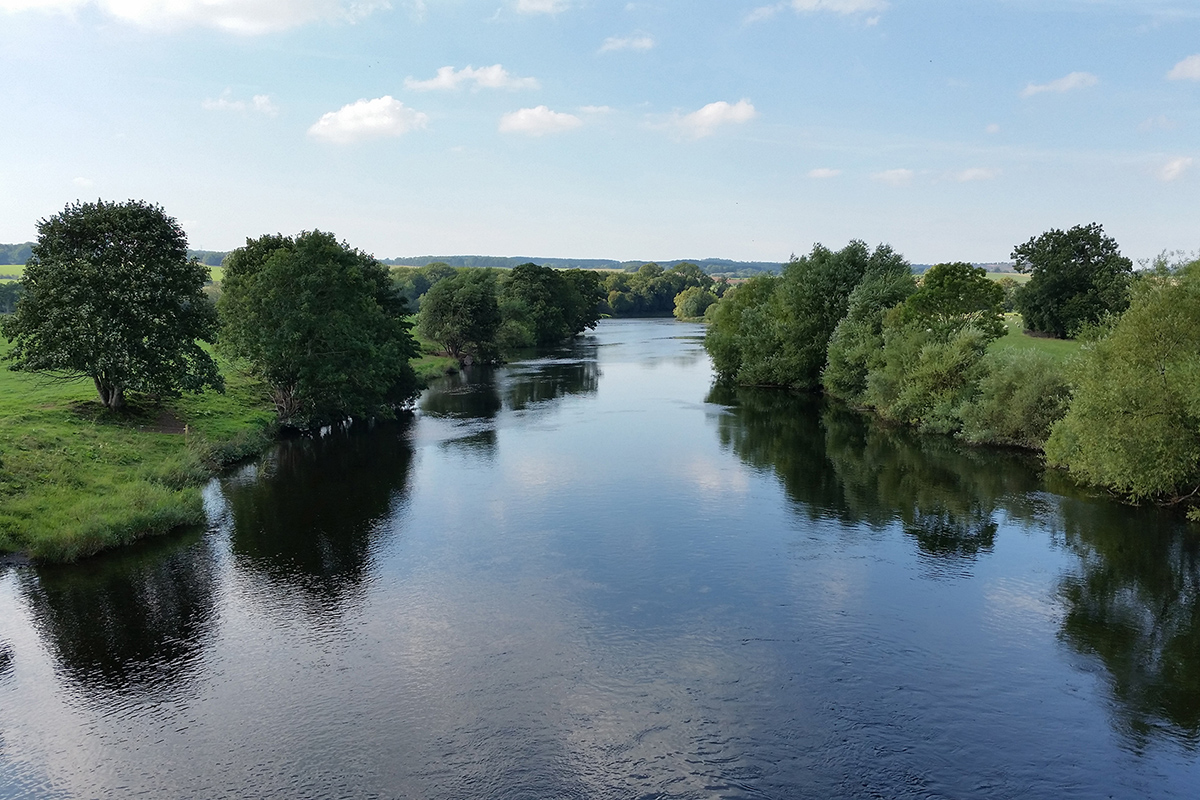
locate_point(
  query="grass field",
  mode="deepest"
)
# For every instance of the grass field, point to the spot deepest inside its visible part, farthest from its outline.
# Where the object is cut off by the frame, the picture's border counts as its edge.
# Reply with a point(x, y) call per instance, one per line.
point(76, 478)
point(11, 272)
point(1019, 277)
point(217, 274)
point(1017, 339)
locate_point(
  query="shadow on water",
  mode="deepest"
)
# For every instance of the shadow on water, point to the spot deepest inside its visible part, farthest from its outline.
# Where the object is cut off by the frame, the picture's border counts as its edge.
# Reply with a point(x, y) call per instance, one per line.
point(134, 621)
point(1133, 602)
point(308, 517)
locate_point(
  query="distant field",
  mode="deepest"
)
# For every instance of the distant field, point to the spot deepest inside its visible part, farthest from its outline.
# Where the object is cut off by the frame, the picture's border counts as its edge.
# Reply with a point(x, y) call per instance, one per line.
point(1019, 277)
point(1017, 339)
point(216, 273)
point(11, 272)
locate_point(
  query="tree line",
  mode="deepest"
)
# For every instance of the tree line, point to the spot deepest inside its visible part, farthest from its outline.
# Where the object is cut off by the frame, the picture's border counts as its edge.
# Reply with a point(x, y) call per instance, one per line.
point(856, 323)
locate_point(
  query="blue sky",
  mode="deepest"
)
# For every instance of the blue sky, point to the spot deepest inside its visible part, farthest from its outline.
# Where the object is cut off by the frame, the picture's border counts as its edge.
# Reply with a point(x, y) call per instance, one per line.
point(583, 128)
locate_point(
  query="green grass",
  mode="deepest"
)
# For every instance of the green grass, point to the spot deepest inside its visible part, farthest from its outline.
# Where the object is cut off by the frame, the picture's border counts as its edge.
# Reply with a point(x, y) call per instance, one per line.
point(76, 478)
point(1019, 277)
point(11, 272)
point(1017, 339)
point(216, 273)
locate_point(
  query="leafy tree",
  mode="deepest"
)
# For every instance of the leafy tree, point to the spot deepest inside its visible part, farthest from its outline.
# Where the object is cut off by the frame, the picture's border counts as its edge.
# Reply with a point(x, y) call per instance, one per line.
point(1077, 277)
point(957, 295)
point(693, 302)
point(735, 325)
point(1134, 421)
point(462, 314)
point(111, 295)
point(320, 323)
point(412, 283)
point(858, 339)
point(584, 298)
point(10, 293)
point(1021, 395)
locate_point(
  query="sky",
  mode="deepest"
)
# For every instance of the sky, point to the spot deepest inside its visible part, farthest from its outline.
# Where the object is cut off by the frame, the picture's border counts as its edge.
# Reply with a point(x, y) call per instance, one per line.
point(949, 129)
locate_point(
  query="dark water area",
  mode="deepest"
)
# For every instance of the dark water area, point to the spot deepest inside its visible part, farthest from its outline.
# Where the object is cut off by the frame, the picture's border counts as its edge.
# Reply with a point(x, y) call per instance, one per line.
point(592, 575)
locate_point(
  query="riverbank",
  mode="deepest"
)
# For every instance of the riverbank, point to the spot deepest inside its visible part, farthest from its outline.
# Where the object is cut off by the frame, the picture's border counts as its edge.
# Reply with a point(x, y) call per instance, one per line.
point(76, 478)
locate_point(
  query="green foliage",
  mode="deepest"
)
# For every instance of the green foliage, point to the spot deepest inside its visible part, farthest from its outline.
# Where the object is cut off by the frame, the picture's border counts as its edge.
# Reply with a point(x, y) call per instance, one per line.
point(411, 283)
point(1134, 423)
point(651, 290)
point(319, 322)
point(1010, 286)
point(463, 315)
point(1077, 277)
point(955, 296)
point(735, 324)
point(10, 293)
point(782, 340)
point(858, 339)
point(109, 294)
point(1022, 393)
point(692, 302)
point(541, 306)
point(16, 253)
point(924, 378)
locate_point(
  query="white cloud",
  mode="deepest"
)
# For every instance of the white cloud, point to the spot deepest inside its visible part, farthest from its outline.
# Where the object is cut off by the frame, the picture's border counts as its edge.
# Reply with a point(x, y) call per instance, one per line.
point(822, 173)
point(541, 6)
point(992, 128)
point(1175, 168)
point(1186, 70)
point(895, 177)
point(976, 174)
point(596, 109)
point(705, 121)
point(1161, 122)
point(636, 41)
point(493, 77)
point(538, 121)
point(236, 16)
point(260, 103)
point(1076, 80)
point(367, 119)
point(84, 183)
point(844, 7)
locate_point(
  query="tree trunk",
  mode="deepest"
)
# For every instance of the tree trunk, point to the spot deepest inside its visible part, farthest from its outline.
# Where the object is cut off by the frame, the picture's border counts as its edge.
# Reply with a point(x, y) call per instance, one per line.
point(111, 396)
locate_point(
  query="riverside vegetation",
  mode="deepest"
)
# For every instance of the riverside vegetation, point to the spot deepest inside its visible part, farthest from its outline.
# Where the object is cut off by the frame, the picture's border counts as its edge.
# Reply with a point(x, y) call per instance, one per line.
point(1118, 409)
point(131, 381)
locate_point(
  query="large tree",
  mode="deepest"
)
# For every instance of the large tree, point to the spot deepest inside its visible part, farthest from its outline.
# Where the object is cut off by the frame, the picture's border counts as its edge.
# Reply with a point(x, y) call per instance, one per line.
point(110, 294)
point(1076, 277)
point(462, 314)
point(321, 323)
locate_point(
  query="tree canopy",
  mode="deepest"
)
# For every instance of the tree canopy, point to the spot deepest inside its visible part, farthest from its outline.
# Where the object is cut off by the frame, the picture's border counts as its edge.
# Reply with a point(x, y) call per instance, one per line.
point(462, 314)
point(1076, 277)
point(110, 294)
point(955, 296)
point(320, 322)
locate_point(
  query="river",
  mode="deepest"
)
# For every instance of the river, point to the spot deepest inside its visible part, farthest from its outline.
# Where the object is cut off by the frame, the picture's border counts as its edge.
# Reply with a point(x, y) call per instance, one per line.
point(591, 575)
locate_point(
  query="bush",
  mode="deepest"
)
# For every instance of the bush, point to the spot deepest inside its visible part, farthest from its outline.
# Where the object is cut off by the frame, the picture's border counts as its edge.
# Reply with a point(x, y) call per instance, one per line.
point(1021, 395)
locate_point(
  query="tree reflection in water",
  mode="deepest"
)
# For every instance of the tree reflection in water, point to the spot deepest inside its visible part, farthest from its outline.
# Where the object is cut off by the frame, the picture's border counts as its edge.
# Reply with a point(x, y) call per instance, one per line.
point(309, 518)
point(834, 462)
point(1133, 603)
point(133, 621)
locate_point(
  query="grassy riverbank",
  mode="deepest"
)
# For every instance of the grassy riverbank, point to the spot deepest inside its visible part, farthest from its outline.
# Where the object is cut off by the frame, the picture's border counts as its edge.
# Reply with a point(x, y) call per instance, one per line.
point(76, 479)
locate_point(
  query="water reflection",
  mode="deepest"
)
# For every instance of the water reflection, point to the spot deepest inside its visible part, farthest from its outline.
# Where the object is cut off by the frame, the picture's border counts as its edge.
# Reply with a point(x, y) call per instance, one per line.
point(1135, 605)
point(308, 517)
point(835, 462)
point(469, 394)
point(549, 379)
point(131, 621)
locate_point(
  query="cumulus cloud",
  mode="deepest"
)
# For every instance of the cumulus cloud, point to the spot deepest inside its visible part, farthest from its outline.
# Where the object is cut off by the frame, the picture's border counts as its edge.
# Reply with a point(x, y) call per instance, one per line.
point(894, 177)
point(236, 16)
point(1186, 70)
point(976, 174)
point(706, 121)
point(541, 6)
point(1175, 168)
point(1076, 80)
point(636, 41)
point(493, 77)
point(260, 103)
point(538, 121)
point(843, 7)
point(822, 173)
point(367, 119)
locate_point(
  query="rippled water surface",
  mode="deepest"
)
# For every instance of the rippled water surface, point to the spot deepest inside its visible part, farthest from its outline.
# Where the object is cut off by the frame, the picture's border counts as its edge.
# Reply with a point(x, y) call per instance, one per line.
point(591, 575)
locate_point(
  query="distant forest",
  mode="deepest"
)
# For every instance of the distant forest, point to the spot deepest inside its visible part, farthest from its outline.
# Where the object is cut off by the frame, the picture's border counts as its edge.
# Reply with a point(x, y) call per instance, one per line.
point(717, 267)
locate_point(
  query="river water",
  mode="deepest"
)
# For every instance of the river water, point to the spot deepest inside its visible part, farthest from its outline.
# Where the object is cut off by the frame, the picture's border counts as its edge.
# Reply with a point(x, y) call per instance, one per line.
point(591, 575)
